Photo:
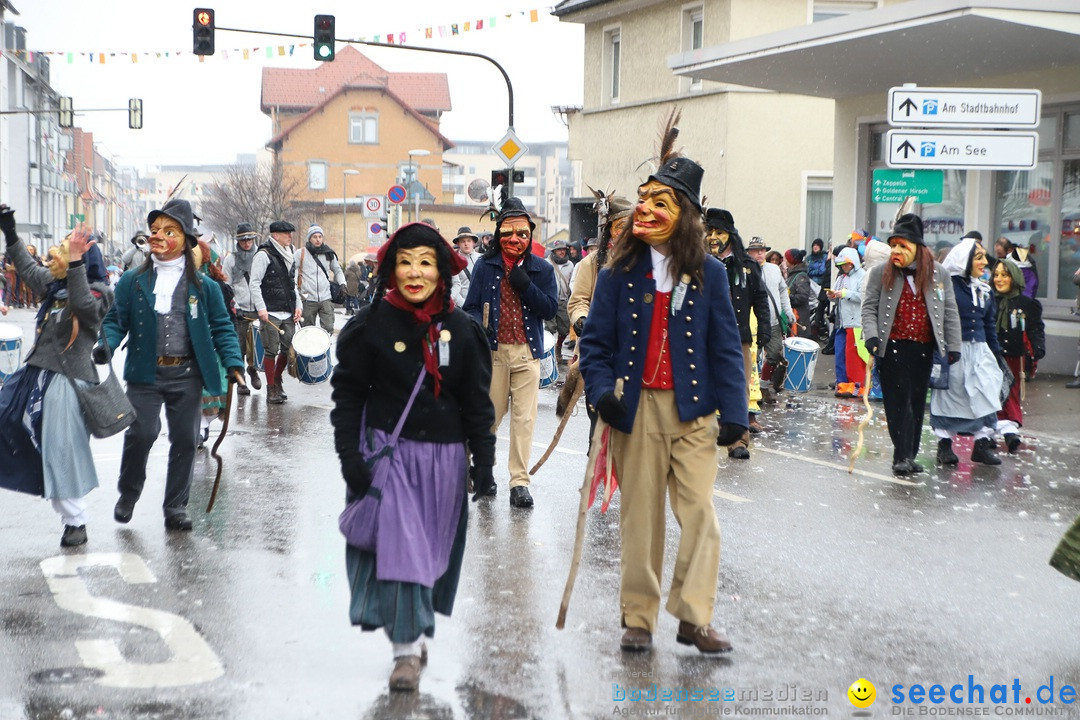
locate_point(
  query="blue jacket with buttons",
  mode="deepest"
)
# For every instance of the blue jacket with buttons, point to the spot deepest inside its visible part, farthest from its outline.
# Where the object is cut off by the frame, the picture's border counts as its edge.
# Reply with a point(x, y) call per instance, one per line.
point(703, 338)
point(211, 330)
point(539, 303)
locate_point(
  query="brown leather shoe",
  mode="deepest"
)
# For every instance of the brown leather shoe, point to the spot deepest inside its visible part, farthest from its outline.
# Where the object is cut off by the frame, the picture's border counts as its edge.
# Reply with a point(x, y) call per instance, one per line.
point(704, 638)
point(406, 675)
point(636, 640)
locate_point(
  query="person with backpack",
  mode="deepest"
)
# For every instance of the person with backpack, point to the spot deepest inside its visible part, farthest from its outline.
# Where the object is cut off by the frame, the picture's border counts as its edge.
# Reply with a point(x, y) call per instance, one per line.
point(804, 296)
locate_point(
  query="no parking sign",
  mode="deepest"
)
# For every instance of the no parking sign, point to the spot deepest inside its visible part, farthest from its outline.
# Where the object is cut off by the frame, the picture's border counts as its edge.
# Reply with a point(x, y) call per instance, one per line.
point(375, 230)
point(396, 194)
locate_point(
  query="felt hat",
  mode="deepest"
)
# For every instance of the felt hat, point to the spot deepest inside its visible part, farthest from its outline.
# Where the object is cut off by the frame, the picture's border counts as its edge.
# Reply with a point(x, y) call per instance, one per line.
point(180, 211)
point(720, 219)
point(909, 227)
point(684, 175)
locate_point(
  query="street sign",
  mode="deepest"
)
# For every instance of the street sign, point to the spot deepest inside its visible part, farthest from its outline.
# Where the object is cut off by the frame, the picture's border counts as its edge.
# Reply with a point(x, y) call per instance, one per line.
point(396, 194)
point(975, 150)
point(375, 230)
point(893, 186)
point(510, 149)
point(964, 107)
point(373, 206)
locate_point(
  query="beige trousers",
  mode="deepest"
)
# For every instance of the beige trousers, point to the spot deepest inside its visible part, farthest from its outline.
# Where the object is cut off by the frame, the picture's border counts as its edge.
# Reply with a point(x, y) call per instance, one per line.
point(662, 454)
point(515, 385)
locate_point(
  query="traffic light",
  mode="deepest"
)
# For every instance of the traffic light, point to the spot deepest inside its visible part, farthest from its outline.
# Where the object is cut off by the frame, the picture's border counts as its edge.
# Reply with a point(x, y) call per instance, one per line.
point(501, 178)
point(324, 38)
point(135, 113)
point(67, 114)
point(519, 176)
point(202, 30)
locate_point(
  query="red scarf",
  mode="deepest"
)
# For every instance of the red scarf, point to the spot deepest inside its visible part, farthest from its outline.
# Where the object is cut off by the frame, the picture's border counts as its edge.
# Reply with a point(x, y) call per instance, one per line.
point(422, 315)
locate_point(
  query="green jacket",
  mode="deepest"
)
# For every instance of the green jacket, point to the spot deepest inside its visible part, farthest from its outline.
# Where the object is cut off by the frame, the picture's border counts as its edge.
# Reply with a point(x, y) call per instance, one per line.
point(211, 330)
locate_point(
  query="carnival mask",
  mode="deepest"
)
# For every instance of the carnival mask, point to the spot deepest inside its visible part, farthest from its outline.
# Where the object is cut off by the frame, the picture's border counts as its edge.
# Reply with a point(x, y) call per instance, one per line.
point(57, 260)
point(656, 214)
point(718, 241)
point(166, 238)
point(515, 236)
point(978, 262)
point(416, 272)
point(1003, 281)
point(903, 251)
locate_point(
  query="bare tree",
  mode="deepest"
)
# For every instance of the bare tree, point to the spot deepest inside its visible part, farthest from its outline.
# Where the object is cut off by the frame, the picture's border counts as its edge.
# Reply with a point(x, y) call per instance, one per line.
point(252, 195)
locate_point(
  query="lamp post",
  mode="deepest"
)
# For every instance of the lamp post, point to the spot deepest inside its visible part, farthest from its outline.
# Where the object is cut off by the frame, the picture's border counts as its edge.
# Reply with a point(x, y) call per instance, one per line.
point(420, 152)
point(344, 197)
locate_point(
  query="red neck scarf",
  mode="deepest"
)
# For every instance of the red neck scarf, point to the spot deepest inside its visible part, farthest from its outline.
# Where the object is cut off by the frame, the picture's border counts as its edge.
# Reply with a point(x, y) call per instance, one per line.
point(510, 262)
point(422, 315)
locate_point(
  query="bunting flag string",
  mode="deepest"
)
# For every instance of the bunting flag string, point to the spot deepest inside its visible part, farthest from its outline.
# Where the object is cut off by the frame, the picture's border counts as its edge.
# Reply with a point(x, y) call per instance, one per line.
point(397, 37)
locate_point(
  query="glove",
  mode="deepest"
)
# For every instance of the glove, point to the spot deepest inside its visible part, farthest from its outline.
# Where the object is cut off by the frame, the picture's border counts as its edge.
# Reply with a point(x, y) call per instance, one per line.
point(7, 223)
point(99, 355)
point(579, 326)
point(729, 433)
point(519, 280)
point(954, 357)
point(612, 409)
point(872, 345)
point(483, 481)
point(357, 474)
point(1040, 353)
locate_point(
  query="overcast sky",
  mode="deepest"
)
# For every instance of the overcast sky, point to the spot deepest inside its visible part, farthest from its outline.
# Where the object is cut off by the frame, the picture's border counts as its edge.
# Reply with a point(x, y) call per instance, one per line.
point(209, 112)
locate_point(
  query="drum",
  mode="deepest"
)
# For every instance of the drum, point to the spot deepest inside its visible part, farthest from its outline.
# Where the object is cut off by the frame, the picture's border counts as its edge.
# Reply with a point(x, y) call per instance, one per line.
point(10, 350)
point(549, 369)
point(258, 352)
point(312, 347)
point(801, 355)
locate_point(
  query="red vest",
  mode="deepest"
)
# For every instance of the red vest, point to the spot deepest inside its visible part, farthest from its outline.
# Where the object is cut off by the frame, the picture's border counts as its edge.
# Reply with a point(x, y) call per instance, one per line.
point(657, 371)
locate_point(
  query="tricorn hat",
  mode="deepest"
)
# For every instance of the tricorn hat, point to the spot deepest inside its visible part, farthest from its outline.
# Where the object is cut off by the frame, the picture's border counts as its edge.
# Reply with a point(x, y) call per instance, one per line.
point(909, 227)
point(720, 219)
point(180, 211)
point(282, 226)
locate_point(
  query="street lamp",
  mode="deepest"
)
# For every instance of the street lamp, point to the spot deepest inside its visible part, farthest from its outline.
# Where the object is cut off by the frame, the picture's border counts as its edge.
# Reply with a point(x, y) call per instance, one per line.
point(416, 203)
point(344, 197)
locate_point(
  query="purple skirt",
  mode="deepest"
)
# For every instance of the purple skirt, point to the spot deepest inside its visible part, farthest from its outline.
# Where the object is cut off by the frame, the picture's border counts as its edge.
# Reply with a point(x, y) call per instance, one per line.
point(409, 516)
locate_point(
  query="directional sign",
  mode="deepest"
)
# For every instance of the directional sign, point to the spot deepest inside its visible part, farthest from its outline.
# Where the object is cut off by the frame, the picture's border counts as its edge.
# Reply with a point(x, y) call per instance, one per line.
point(964, 107)
point(396, 194)
point(975, 150)
point(373, 206)
point(510, 149)
point(893, 186)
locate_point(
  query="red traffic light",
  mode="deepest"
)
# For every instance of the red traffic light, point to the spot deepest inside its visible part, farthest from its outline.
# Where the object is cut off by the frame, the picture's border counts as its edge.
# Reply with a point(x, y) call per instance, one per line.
point(204, 17)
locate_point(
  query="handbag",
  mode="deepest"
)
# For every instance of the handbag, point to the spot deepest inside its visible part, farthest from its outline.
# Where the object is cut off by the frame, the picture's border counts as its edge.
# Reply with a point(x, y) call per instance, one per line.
point(359, 521)
point(337, 290)
point(939, 372)
point(105, 407)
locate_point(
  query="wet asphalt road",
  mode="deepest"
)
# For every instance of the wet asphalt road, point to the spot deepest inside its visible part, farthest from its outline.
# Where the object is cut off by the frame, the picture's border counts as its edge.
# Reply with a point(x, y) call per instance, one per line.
point(826, 577)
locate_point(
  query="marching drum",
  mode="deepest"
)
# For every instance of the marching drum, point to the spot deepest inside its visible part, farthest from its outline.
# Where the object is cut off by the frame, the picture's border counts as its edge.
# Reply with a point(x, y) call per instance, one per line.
point(801, 355)
point(312, 347)
point(549, 369)
point(257, 344)
point(10, 350)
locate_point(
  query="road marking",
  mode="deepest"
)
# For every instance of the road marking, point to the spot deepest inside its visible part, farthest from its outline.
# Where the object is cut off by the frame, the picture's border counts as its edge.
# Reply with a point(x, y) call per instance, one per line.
point(837, 466)
point(729, 496)
point(192, 659)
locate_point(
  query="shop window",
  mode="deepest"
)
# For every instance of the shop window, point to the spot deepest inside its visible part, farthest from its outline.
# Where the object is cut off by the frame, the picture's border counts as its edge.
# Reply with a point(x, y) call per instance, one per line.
point(1048, 132)
point(1022, 216)
point(1072, 131)
point(1069, 253)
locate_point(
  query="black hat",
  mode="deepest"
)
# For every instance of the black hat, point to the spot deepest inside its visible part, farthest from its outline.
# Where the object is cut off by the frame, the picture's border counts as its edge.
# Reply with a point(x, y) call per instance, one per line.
point(244, 231)
point(180, 211)
point(684, 175)
point(909, 227)
point(720, 219)
point(975, 234)
point(139, 235)
point(282, 226)
point(513, 207)
point(464, 231)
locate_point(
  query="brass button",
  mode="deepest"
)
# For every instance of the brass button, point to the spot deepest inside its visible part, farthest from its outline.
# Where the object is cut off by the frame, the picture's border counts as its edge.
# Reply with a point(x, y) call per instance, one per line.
point(695, 398)
point(630, 364)
point(687, 318)
point(693, 382)
point(693, 366)
point(633, 316)
point(632, 348)
point(689, 351)
point(648, 297)
point(689, 334)
point(631, 301)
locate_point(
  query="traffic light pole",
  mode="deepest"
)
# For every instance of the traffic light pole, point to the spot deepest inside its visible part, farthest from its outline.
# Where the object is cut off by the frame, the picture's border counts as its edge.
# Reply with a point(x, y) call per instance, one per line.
point(509, 86)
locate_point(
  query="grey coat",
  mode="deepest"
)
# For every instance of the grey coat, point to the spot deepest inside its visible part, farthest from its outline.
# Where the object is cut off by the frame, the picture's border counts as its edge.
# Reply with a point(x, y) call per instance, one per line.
point(879, 309)
point(55, 333)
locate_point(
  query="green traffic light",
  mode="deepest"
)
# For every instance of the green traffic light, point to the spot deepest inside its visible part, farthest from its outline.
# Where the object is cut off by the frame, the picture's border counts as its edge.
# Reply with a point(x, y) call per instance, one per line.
point(325, 51)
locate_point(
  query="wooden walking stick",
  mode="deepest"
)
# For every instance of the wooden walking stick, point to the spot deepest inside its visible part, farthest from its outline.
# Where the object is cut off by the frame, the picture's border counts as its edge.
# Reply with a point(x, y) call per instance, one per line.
point(224, 428)
point(583, 507)
point(579, 387)
point(869, 414)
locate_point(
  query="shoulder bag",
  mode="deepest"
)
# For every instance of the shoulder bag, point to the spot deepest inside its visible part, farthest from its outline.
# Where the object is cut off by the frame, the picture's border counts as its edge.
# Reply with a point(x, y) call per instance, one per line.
point(105, 407)
point(939, 372)
point(337, 290)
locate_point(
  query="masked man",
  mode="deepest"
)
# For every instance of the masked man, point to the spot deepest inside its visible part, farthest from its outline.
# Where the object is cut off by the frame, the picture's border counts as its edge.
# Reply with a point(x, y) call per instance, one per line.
point(661, 320)
point(273, 292)
point(178, 331)
point(237, 269)
point(511, 295)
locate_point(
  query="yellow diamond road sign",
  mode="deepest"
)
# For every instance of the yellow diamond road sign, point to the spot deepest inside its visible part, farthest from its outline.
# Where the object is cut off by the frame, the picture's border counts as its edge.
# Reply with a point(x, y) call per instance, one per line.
point(510, 149)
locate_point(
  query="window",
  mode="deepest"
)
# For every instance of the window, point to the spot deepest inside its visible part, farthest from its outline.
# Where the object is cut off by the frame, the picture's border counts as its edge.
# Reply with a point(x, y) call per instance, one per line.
point(316, 175)
point(364, 128)
point(829, 9)
point(693, 27)
point(612, 63)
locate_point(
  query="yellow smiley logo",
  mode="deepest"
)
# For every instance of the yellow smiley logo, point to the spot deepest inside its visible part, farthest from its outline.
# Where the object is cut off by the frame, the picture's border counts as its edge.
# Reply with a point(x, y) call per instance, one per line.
point(862, 693)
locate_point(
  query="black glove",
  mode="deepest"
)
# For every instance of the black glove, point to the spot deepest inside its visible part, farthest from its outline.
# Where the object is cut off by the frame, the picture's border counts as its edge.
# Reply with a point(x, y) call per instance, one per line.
point(612, 409)
point(519, 280)
point(7, 223)
point(764, 337)
point(100, 354)
point(1040, 353)
point(357, 474)
point(954, 357)
point(729, 433)
point(483, 481)
point(579, 326)
point(872, 345)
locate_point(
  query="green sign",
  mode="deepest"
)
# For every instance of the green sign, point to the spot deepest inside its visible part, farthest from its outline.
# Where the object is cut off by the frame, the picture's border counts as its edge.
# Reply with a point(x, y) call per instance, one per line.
point(893, 186)
point(74, 219)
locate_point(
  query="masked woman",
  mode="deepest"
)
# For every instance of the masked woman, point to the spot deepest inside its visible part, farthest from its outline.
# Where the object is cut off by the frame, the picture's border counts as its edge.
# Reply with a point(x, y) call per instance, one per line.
point(46, 446)
point(971, 402)
point(411, 363)
point(1021, 335)
point(908, 309)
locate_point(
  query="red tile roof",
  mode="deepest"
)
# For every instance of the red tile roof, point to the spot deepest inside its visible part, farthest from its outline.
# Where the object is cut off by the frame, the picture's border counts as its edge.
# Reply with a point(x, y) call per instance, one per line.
point(304, 89)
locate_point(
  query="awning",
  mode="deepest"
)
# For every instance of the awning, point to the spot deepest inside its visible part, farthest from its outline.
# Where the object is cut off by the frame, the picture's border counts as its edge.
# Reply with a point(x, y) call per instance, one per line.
point(932, 43)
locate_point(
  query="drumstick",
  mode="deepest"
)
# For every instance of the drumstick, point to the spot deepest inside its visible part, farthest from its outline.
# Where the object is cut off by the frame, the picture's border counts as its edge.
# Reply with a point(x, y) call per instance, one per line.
point(276, 327)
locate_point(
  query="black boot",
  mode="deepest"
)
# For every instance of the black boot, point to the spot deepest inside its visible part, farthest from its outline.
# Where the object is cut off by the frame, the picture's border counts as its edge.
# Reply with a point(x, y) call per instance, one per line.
point(983, 453)
point(945, 454)
point(1012, 442)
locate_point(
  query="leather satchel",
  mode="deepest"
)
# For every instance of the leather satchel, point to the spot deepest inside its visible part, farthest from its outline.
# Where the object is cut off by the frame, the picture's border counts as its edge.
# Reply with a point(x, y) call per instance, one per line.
point(105, 407)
